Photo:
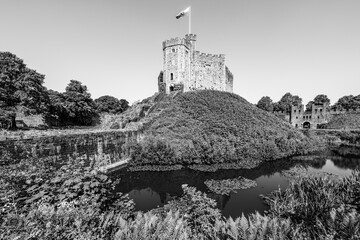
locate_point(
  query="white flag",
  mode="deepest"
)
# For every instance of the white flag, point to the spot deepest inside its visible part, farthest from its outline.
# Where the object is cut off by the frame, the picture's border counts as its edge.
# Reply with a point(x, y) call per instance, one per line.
point(183, 13)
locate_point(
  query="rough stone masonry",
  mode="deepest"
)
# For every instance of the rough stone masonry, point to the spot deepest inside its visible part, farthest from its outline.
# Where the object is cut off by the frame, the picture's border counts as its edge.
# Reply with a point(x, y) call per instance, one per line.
point(187, 70)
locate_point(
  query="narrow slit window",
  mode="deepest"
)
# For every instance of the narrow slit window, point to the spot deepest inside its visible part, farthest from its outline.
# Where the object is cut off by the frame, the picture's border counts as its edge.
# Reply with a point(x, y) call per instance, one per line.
point(171, 76)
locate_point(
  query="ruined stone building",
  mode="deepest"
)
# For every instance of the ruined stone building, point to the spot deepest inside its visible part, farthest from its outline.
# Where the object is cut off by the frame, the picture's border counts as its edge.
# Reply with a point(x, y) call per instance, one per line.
point(314, 118)
point(318, 115)
point(186, 69)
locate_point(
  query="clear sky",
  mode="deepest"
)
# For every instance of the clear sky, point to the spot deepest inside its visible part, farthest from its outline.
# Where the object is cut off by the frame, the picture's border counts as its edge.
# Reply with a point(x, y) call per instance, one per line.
point(114, 47)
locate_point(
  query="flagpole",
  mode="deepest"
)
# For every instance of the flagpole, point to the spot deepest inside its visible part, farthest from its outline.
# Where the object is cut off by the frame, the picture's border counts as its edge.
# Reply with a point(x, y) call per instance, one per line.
point(190, 20)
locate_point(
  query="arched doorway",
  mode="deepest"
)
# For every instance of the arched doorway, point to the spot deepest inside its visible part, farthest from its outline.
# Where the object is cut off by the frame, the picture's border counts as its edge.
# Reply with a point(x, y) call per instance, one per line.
point(306, 125)
point(171, 88)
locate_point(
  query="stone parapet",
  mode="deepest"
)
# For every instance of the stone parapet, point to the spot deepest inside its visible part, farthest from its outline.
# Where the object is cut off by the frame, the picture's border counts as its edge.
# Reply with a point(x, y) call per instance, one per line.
point(176, 41)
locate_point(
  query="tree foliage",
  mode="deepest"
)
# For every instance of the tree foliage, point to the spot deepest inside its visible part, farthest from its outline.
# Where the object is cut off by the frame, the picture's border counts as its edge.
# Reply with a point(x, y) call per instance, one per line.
point(287, 101)
point(348, 102)
point(79, 104)
point(265, 103)
point(73, 107)
point(109, 104)
point(21, 86)
point(318, 100)
point(284, 104)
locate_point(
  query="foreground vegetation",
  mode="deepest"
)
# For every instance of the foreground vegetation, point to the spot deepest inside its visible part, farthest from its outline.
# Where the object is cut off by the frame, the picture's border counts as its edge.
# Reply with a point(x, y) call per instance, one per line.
point(74, 202)
point(211, 127)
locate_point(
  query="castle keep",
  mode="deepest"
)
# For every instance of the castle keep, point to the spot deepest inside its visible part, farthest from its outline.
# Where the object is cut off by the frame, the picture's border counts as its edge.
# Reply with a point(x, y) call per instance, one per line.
point(186, 69)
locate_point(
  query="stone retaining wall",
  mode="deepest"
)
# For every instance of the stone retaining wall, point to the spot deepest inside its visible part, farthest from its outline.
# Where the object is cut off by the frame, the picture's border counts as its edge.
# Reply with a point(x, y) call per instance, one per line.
point(96, 149)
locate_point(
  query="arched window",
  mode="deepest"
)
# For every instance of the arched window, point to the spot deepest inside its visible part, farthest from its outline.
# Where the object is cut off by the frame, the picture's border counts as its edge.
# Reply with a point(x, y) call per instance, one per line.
point(171, 76)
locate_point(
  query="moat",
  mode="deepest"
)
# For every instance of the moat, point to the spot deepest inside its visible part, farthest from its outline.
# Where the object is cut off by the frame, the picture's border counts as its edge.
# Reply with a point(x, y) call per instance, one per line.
point(152, 189)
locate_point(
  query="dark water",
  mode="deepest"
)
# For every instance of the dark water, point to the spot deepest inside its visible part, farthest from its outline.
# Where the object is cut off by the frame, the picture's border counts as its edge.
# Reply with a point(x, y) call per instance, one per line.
point(152, 189)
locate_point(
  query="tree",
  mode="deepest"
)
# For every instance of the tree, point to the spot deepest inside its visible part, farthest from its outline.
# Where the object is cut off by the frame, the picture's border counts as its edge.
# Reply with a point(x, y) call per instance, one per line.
point(124, 104)
point(348, 102)
point(287, 101)
point(21, 86)
point(79, 105)
point(57, 114)
point(111, 104)
point(321, 99)
point(265, 103)
point(76, 86)
point(318, 100)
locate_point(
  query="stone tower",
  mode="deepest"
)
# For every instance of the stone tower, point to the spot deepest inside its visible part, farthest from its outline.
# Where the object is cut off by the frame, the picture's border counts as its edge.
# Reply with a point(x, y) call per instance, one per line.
point(186, 69)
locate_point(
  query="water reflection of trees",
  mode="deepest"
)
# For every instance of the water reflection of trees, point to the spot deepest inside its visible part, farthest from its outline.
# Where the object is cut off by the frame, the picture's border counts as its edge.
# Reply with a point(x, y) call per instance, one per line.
point(348, 151)
point(317, 163)
point(346, 163)
point(168, 184)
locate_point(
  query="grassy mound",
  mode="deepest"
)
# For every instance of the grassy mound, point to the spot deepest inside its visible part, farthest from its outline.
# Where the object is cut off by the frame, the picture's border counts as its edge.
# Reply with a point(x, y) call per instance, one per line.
point(212, 127)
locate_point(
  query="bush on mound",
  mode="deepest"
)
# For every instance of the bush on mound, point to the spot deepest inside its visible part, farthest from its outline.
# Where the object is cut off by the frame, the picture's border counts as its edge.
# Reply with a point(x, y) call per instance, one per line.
point(213, 127)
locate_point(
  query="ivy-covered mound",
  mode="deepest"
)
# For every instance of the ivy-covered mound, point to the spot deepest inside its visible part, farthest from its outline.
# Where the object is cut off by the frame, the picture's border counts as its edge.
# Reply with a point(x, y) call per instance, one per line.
point(213, 127)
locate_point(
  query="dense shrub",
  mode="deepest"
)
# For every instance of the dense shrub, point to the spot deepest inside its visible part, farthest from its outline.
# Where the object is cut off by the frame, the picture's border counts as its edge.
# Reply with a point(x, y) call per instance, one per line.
point(110, 104)
point(41, 201)
point(154, 152)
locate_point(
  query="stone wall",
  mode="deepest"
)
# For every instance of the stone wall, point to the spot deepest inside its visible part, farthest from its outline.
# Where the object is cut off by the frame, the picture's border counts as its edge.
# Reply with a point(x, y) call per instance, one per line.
point(194, 70)
point(96, 149)
point(209, 72)
point(176, 63)
point(229, 80)
point(30, 120)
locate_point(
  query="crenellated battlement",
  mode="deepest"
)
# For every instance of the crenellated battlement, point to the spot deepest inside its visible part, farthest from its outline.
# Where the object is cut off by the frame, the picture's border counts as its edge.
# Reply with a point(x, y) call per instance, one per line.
point(209, 57)
point(176, 41)
point(343, 111)
point(191, 37)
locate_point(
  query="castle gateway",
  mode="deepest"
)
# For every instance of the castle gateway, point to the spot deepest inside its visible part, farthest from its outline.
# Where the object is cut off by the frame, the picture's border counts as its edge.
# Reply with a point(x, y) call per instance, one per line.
point(187, 70)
